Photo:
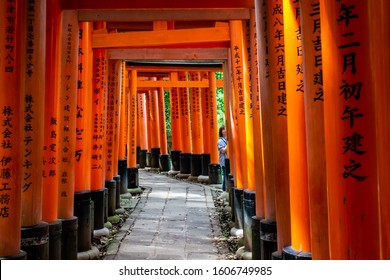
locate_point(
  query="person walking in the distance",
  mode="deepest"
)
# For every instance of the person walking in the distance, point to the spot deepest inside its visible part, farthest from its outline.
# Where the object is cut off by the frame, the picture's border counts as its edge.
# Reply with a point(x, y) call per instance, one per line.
point(222, 152)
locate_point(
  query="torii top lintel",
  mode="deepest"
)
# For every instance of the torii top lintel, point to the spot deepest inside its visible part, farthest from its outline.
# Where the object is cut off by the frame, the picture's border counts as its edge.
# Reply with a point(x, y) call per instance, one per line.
point(155, 4)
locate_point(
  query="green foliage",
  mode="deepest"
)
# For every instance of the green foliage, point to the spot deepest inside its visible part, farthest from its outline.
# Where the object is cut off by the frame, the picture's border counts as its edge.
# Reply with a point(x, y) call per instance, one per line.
point(220, 102)
point(168, 118)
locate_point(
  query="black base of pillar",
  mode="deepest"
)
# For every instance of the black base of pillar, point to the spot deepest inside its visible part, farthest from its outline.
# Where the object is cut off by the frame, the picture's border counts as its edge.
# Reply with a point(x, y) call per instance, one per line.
point(122, 170)
point(289, 253)
point(175, 158)
point(133, 178)
point(142, 158)
point(268, 239)
point(21, 256)
point(229, 182)
point(256, 248)
point(231, 197)
point(98, 209)
point(55, 232)
point(276, 256)
point(227, 173)
point(215, 174)
point(105, 203)
point(185, 163)
point(111, 188)
point(164, 163)
point(155, 154)
point(35, 241)
point(82, 210)
point(148, 159)
point(138, 154)
point(117, 180)
point(196, 165)
point(205, 164)
point(238, 211)
point(69, 239)
point(249, 211)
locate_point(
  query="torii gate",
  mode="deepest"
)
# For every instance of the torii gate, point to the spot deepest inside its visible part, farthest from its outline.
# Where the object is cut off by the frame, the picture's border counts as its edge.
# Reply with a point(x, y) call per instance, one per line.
point(306, 110)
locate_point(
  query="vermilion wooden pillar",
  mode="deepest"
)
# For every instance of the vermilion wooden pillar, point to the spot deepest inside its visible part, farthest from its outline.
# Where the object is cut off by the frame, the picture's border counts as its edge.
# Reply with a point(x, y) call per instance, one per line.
point(315, 137)
point(82, 196)
point(10, 137)
point(67, 114)
point(350, 139)
point(32, 125)
point(244, 140)
point(214, 167)
point(148, 128)
point(278, 118)
point(50, 148)
point(138, 135)
point(122, 162)
point(248, 97)
point(267, 226)
point(235, 144)
point(50, 193)
point(155, 127)
point(196, 127)
point(249, 194)
point(116, 84)
point(380, 41)
point(258, 141)
point(117, 116)
point(257, 125)
point(205, 95)
point(175, 125)
point(123, 117)
point(132, 170)
point(67, 132)
point(117, 112)
point(142, 128)
point(98, 135)
point(110, 120)
point(230, 162)
point(185, 122)
point(164, 157)
point(236, 31)
point(299, 196)
point(110, 183)
point(233, 148)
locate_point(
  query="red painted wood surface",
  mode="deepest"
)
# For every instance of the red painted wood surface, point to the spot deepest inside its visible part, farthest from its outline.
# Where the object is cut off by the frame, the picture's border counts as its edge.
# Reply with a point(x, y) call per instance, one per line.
point(279, 121)
point(50, 148)
point(350, 140)
point(299, 195)
point(315, 134)
point(11, 140)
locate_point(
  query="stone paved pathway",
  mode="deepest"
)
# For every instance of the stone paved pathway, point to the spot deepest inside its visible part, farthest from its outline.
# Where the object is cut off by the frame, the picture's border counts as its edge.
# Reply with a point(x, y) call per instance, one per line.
point(173, 220)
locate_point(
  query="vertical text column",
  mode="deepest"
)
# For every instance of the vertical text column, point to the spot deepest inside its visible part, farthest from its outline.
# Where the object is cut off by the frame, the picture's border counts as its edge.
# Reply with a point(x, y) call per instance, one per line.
point(349, 131)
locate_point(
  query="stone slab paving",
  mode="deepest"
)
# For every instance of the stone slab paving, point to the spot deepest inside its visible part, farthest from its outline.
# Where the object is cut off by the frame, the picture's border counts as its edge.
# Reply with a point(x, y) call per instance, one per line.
point(174, 219)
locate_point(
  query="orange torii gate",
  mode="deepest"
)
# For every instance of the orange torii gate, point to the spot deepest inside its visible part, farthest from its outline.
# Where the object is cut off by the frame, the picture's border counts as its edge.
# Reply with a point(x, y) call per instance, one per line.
point(324, 160)
point(98, 136)
point(314, 113)
point(350, 136)
point(82, 196)
point(299, 197)
point(11, 141)
point(67, 133)
point(50, 149)
point(32, 83)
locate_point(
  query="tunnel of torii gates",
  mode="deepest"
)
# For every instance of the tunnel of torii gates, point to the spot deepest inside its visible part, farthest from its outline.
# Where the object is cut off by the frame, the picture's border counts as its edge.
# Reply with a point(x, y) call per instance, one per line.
point(306, 101)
